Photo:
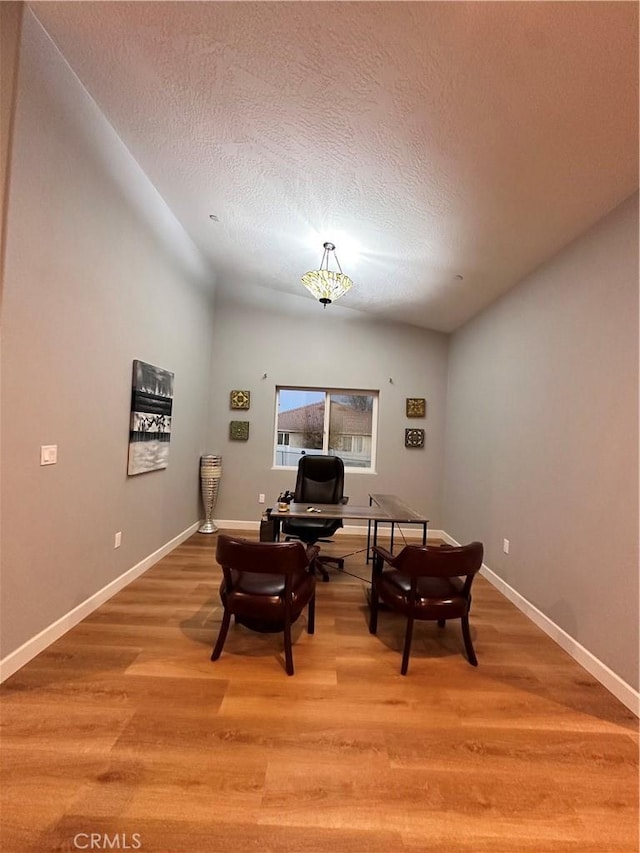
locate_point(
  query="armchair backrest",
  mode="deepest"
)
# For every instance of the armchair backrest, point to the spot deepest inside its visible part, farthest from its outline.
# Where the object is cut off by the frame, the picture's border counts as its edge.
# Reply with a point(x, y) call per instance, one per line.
point(320, 480)
point(429, 561)
point(246, 555)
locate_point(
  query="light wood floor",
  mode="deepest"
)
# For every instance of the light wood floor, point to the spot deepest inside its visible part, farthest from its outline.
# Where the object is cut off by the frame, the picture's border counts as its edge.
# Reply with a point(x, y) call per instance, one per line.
point(124, 726)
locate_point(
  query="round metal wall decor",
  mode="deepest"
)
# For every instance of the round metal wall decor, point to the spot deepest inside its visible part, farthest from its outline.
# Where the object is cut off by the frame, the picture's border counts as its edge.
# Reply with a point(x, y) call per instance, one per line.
point(414, 438)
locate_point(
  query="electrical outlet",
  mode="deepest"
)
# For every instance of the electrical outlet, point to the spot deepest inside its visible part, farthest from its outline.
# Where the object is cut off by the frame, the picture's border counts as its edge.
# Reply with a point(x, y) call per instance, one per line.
point(505, 546)
point(48, 454)
point(260, 498)
point(117, 541)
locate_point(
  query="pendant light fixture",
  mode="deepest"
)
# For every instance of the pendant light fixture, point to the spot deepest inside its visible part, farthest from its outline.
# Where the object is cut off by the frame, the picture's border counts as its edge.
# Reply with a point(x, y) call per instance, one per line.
point(325, 284)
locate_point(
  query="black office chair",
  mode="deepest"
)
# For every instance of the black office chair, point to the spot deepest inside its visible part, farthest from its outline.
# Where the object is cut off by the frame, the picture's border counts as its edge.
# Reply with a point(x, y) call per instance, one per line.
point(320, 480)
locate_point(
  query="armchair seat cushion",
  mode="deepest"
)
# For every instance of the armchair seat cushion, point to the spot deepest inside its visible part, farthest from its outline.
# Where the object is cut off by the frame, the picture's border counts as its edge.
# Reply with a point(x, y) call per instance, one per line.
point(437, 597)
point(260, 597)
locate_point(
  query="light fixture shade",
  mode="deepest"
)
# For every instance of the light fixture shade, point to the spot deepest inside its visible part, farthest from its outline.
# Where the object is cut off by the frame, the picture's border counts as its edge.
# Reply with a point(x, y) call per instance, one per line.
point(325, 284)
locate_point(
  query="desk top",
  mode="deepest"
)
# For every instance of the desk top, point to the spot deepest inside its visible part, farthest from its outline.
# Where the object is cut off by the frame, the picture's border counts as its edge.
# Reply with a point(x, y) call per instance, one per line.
point(397, 509)
point(330, 511)
point(386, 508)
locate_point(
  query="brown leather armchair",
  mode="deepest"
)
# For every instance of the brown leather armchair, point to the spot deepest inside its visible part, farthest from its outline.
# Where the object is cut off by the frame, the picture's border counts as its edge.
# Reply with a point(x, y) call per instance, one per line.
point(426, 583)
point(266, 586)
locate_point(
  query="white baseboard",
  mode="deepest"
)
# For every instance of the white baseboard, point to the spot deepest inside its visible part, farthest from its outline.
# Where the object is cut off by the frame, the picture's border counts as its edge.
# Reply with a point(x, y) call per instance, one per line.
point(17, 659)
point(225, 524)
point(628, 695)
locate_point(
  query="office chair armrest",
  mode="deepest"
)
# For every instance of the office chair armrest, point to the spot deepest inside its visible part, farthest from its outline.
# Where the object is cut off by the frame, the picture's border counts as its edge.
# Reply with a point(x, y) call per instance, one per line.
point(344, 500)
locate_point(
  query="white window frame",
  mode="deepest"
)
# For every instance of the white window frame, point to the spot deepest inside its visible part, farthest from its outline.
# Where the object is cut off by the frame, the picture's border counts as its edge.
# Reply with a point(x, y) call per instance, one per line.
point(374, 394)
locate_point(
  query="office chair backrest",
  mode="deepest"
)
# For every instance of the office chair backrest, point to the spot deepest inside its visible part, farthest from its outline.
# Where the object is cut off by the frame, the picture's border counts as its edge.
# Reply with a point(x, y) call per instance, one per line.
point(320, 480)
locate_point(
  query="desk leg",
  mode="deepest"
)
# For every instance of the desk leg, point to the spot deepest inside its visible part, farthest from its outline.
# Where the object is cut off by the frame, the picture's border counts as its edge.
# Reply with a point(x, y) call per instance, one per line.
point(393, 525)
point(369, 533)
point(424, 533)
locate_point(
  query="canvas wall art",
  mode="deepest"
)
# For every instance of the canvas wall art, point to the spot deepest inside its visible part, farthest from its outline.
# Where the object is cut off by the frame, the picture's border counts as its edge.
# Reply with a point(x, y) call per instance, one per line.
point(150, 428)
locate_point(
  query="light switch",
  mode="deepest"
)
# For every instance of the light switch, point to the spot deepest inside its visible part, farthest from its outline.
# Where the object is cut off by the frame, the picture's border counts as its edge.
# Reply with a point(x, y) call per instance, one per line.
point(48, 454)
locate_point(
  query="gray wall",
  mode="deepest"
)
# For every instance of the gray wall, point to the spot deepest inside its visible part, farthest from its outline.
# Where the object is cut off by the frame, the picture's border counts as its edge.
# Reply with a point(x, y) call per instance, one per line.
point(542, 439)
point(10, 26)
point(326, 351)
point(97, 273)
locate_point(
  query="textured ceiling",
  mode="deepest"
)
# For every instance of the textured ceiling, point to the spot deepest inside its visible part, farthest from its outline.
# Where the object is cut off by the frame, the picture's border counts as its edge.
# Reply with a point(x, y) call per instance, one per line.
point(442, 138)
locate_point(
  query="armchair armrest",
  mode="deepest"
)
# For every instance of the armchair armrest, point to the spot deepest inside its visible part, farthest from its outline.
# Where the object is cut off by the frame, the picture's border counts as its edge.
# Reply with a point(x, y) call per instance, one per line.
point(387, 556)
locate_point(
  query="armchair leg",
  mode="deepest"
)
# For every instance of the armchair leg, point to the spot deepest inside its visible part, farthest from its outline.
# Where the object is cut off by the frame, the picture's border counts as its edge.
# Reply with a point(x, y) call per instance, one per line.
point(373, 610)
point(222, 635)
point(466, 635)
point(311, 615)
point(288, 653)
point(407, 646)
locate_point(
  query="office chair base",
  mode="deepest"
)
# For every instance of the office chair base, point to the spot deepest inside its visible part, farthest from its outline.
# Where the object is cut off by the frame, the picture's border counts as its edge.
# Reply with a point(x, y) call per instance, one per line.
point(321, 559)
point(317, 565)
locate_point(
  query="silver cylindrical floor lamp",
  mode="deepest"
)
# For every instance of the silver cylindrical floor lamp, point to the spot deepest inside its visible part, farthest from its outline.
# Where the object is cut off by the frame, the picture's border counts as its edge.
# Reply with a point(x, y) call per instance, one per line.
point(210, 474)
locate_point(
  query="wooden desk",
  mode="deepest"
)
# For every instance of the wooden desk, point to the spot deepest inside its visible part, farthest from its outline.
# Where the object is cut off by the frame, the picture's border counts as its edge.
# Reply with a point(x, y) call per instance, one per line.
point(398, 512)
point(387, 509)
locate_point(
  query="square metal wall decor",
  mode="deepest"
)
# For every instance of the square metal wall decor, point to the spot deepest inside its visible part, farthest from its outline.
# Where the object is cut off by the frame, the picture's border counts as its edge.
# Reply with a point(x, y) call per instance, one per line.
point(416, 407)
point(414, 438)
point(239, 430)
point(240, 399)
point(150, 424)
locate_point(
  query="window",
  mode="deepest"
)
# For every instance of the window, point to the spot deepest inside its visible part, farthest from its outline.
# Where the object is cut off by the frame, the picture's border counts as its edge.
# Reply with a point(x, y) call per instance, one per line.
point(326, 421)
